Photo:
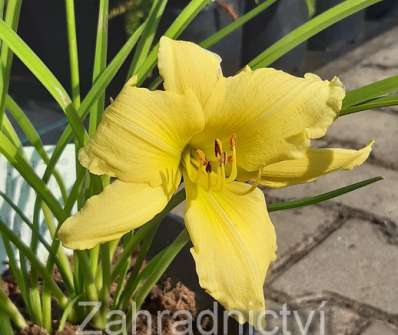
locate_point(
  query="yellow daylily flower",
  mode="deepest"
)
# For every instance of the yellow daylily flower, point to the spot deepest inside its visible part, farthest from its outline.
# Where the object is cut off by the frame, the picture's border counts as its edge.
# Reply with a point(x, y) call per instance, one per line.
point(217, 134)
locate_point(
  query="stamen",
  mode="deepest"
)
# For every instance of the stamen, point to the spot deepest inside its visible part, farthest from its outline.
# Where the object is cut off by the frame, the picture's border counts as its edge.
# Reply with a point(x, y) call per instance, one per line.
point(187, 164)
point(232, 160)
point(218, 148)
point(232, 141)
point(208, 167)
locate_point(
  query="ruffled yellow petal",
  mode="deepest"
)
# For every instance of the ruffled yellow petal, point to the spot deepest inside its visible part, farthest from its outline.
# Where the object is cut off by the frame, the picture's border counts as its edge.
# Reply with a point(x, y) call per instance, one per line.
point(273, 115)
point(315, 163)
point(233, 245)
point(109, 215)
point(142, 135)
point(186, 66)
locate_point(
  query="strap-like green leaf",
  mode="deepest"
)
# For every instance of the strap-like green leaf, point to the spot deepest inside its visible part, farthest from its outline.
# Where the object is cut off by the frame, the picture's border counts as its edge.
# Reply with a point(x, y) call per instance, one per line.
point(100, 58)
point(33, 137)
point(39, 267)
point(309, 29)
point(157, 266)
point(73, 53)
point(44, 75)
point(391, 100)
point(321, 197)
point(145, 43)
point(371, 91)
point(65, 273)
point(15, 158)
point(236, 24)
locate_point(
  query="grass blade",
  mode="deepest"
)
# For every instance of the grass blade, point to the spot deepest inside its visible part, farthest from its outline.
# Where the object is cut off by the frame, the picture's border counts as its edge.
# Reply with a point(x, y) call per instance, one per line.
point(65, 273)
point(15, 158)
point(44, 75)
point(371, 91)
point(145, 43)
point(158, 265)
point(11, 19)
point(236, 24)
point(101, 47)
point(8, 307)
point(309, 29)
point(25, 250)
point(73, 53)
point(321, 197)
point(372, 104)
point(33, 137)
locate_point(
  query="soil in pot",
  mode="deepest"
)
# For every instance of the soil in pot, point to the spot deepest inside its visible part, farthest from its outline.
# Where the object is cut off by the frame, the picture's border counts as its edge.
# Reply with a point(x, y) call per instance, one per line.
point(167, 296)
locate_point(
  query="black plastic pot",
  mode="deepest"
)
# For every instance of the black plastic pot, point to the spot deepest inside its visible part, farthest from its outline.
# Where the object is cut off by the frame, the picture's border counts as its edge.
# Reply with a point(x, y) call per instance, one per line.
point(271, 25)
point(347, 31)
point(43, 27)
point(380, 9)
point(211, 19)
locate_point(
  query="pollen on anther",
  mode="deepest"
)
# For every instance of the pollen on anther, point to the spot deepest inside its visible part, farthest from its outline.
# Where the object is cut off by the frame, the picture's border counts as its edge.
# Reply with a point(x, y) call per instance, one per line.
point(232, 141)
point(218, 148)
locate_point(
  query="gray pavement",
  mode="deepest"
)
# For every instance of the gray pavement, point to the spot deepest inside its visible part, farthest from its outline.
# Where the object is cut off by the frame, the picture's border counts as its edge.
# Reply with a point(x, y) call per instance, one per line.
point(345, 252)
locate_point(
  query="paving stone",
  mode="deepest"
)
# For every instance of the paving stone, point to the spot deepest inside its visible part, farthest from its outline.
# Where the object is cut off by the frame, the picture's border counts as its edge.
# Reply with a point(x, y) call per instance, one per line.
point(385, 58)
point(380, 328)
point(360, 128)
point(318, 319)
point(179, 210)
point(376, 46)
point(380, 198)
point(292, 226)
point(355, 261)
point(363, 74)
point(372, 61)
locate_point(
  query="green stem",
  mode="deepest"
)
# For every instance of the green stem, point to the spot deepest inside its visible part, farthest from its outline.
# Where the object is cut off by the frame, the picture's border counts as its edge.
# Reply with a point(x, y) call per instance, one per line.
point(11, 19)
point(35, 298)
point(36, 264)
point(8, 307)
point(47, 311)
point(106, 282)
point(73, 53)
point(5, 324)
point(101, 47)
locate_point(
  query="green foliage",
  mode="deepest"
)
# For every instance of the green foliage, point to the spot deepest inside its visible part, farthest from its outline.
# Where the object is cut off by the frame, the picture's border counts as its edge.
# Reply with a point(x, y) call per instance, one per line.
point(91, 274)
point(311, 7)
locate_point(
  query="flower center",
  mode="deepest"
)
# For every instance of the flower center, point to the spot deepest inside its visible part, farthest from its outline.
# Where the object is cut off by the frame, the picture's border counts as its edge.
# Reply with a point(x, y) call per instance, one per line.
point(214, 169)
